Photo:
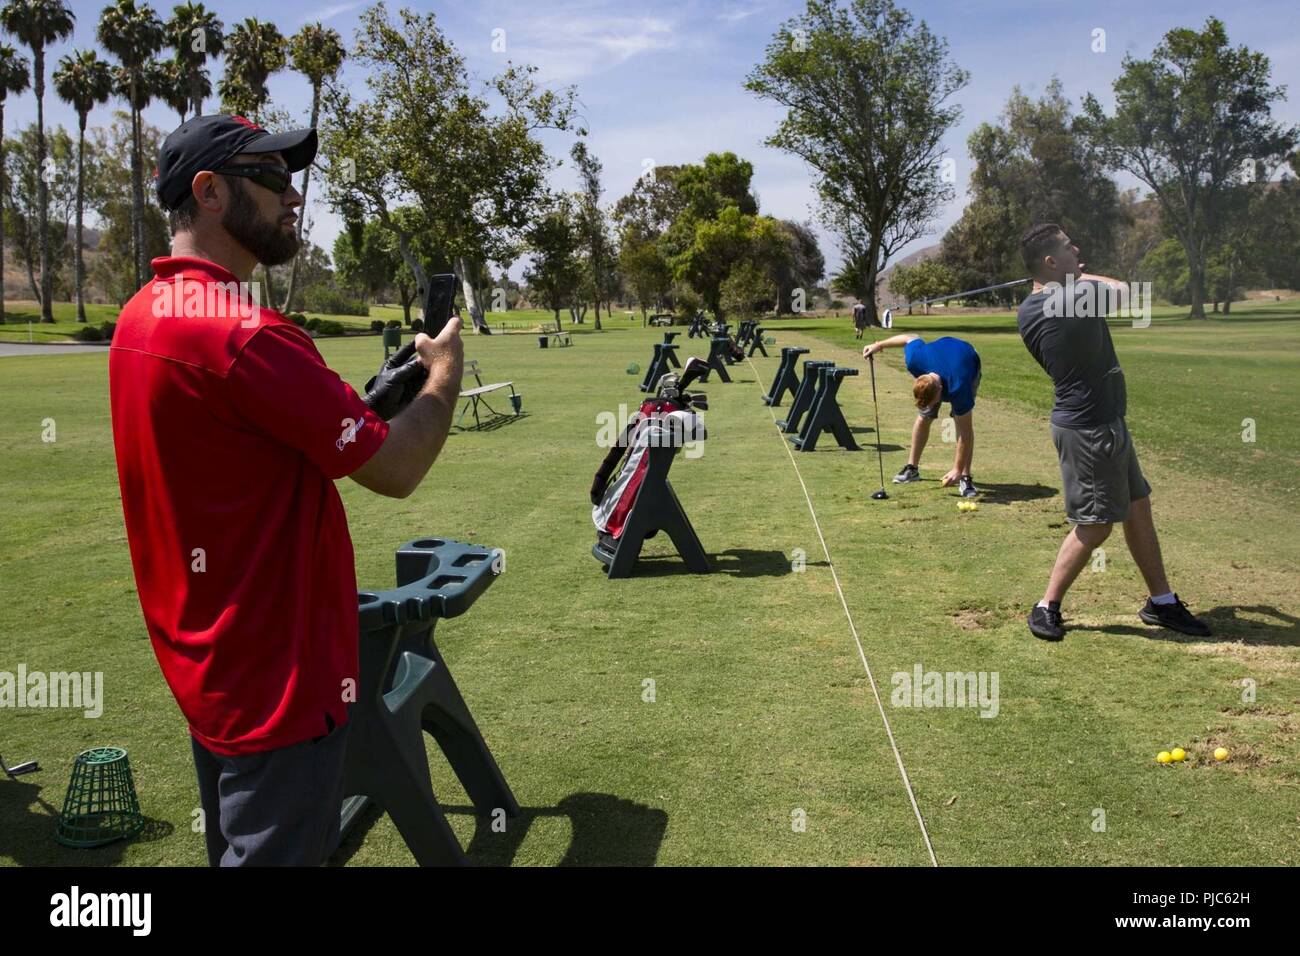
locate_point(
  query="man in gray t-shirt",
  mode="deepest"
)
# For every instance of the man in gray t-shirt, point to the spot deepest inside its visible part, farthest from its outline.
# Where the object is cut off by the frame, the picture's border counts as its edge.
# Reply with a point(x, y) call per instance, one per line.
point(1063, 324)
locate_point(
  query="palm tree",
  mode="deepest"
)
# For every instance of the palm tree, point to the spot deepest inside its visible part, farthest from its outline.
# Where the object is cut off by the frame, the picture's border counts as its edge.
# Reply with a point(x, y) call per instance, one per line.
point(317, 53)
point(37, 24)
point(191, 26)
point(133, 35)
point(176, 85)
point(84, 81)
point(254, 50)
point(14, 78)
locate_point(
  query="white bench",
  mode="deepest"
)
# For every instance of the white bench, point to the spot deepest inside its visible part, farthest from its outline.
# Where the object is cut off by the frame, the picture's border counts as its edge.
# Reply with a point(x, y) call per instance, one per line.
point(474, 396)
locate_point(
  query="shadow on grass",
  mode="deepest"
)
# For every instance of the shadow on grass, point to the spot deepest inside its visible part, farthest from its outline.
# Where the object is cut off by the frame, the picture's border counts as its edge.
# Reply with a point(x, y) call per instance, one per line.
point(1005, 494)
point(27, 838)
point(500, 421)
point(1228, 625)
point(738, 562)
point(607, 831)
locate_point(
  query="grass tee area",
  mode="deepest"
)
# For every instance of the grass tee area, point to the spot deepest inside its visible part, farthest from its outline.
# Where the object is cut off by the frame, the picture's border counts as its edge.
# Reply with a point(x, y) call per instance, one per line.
point(762, 741)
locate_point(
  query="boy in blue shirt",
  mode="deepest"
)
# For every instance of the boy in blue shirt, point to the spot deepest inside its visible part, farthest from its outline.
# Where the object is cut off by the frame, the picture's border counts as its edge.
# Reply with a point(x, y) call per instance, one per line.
point(946, 370)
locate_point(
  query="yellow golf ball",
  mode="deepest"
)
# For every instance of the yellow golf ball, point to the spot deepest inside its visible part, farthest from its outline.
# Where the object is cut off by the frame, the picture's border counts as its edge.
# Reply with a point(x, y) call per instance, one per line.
point(1178, 754)
point(1220, 753)
point(1164, 757)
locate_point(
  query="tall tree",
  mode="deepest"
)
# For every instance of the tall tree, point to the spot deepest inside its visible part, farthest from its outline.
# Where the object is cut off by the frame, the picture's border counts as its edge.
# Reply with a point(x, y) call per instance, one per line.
point(555, 239)
point(175, 86)
point(134, 34)
point(801, 268)
point(593, 225)
point(37, 24)
point(195, 33)
point(14, 78)
point(865, 88)
point(1191, 123)
point(254, 50)
point(317, 53)
point(84, 81)
point(426, 138)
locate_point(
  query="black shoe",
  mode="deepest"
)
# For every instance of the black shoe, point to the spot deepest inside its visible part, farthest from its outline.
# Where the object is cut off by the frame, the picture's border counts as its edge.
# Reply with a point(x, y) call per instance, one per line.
point(909, 473)
point(1046, 623)
point(1174, 616)
point(966, 486)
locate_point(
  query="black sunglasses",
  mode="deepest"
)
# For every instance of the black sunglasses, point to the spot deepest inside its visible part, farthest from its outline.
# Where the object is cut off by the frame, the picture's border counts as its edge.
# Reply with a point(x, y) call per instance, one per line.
point(271, 176)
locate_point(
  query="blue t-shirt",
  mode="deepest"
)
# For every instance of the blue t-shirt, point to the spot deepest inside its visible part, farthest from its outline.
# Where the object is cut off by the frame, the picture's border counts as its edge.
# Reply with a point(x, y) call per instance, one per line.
point(957, 363)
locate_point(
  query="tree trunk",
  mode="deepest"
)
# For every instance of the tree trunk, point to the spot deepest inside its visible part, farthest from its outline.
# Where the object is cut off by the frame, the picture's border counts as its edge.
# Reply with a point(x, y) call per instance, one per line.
point(80, 269)
point(196, 98)
point(1196, 273)
point(43, 191)
point(137, 193)
point(302, 210)
point(472, 303)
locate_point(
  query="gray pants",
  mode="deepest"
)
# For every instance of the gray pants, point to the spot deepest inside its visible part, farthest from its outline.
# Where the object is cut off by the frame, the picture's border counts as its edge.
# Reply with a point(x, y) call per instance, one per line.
point(278, 808)
point(1100, 471)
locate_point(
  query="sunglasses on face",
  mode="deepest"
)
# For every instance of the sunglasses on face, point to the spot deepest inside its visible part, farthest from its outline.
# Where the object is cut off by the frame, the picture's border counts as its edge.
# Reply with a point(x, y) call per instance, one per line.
point(270, 176)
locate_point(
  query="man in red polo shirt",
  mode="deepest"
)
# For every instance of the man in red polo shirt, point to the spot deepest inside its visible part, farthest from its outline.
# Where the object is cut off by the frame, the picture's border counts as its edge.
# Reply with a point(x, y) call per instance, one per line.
point(230, 431)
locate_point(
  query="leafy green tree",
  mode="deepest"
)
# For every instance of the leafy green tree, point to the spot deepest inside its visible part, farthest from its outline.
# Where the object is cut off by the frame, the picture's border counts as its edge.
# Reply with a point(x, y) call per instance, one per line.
point(30, 158)
point(1188, 123)
point(254, 50)
point(424, 137)
point(746, 291)
point(14, 78)
point(647, 272)
point(802, 267)
point(593, 227)
point(196, 34)
point(85, 81)
point(556, 270)
point(725, 242)
point(865, 90)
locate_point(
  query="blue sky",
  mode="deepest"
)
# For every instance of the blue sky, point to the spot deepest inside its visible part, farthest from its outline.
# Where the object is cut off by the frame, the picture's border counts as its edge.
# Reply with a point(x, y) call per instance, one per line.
point(664, 81)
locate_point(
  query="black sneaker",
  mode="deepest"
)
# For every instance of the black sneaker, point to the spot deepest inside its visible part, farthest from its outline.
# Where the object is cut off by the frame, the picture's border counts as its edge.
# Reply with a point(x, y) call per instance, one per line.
point(1174, 616)
point(1046, 623)
point(909, 473)
point(966, 487)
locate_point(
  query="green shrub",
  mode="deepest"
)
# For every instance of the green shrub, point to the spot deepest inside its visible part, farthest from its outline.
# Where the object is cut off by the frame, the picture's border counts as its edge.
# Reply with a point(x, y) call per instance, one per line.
point(297, 318)
point(377, 325)
point(107, 330)
point(330, 327)
point(313, 323)
point(393, 324)
point(88, 333)
point(417, 325)
point(332, 301)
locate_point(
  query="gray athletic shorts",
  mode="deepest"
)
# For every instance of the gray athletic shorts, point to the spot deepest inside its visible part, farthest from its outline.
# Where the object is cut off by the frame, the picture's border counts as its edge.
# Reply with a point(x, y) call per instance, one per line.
point(278, 808)
point(1100, 471)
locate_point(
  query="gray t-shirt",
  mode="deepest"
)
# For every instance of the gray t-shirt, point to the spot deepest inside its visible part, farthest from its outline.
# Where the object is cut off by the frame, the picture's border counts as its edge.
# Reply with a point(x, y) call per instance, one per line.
point(1076, 351)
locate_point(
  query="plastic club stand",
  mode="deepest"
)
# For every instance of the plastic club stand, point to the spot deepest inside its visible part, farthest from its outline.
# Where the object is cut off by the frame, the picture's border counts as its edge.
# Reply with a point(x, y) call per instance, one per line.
point(659, 366)
point(717, 358)
point(672, 354)
point(756, 340)
point(698, 328)
point(826, 412)
point(656, 509)
point(743, 333)
point(787, 379)
point(803, 397)
point(405, 690)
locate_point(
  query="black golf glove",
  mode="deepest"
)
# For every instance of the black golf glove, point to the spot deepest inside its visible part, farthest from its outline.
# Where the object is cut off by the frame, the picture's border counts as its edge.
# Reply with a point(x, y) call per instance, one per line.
point(399, 380)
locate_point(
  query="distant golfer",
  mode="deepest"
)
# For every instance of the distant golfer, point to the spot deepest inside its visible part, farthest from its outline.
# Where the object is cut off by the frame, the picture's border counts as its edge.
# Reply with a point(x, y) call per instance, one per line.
point(230, 432)
point(859, 319)
point(1099, 466)
point(946, 370)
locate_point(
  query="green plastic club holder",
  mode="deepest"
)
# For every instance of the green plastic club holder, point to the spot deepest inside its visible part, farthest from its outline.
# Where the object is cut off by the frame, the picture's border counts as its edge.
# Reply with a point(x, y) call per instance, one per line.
point(101, 805)
point(756, 341)
point(787, 379)
point(405, 690)
point(672, 355)
point(718, 347)
point(655, 509)
point(803, 396)
point(659, 365)
point(826, 413)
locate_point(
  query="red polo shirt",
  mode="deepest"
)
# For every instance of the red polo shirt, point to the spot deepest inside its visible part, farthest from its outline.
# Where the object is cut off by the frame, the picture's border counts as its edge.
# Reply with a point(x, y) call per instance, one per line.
point(229, 431)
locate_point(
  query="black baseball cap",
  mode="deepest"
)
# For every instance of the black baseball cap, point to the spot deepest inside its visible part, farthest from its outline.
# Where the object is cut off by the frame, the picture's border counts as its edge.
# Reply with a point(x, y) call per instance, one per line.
point(210, 142)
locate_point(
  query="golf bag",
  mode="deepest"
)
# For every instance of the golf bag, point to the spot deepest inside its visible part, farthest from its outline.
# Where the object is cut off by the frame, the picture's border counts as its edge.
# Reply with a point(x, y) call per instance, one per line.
point(668, 419)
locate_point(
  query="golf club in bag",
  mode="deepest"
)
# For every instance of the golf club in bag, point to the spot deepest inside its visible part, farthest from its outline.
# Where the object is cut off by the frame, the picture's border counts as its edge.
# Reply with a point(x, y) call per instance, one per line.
point(668, 418)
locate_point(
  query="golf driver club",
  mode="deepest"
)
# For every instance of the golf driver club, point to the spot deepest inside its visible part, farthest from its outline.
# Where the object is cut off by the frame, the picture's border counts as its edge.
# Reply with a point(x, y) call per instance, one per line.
point(880, 495)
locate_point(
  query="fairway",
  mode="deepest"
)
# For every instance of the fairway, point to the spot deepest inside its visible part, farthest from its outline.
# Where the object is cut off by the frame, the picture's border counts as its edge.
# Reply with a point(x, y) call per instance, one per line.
point(731, 719)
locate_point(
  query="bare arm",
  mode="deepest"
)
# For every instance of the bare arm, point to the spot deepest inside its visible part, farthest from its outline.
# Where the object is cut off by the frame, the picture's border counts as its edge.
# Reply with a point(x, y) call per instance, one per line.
point(896, 341)
point(417, 433)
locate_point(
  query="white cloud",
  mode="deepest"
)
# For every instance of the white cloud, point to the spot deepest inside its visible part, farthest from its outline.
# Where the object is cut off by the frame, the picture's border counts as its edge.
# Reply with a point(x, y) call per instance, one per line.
point(330, 12)
point(567, 48)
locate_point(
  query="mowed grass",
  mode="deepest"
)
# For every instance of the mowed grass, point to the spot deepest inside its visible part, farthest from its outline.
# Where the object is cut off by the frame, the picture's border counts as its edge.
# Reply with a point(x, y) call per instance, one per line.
point(762, 710)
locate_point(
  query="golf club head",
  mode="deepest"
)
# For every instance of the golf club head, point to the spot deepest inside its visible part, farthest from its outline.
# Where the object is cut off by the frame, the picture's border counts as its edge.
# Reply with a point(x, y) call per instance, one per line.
point(879, 495)
point(693, 369)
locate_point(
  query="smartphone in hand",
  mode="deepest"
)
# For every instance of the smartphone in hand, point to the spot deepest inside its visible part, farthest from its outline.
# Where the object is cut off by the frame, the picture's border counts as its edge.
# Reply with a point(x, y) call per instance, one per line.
point(439, 300)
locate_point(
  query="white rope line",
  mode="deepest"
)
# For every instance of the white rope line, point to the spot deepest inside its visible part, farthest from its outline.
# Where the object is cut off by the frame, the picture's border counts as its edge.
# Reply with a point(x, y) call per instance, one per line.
point(907, 783)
